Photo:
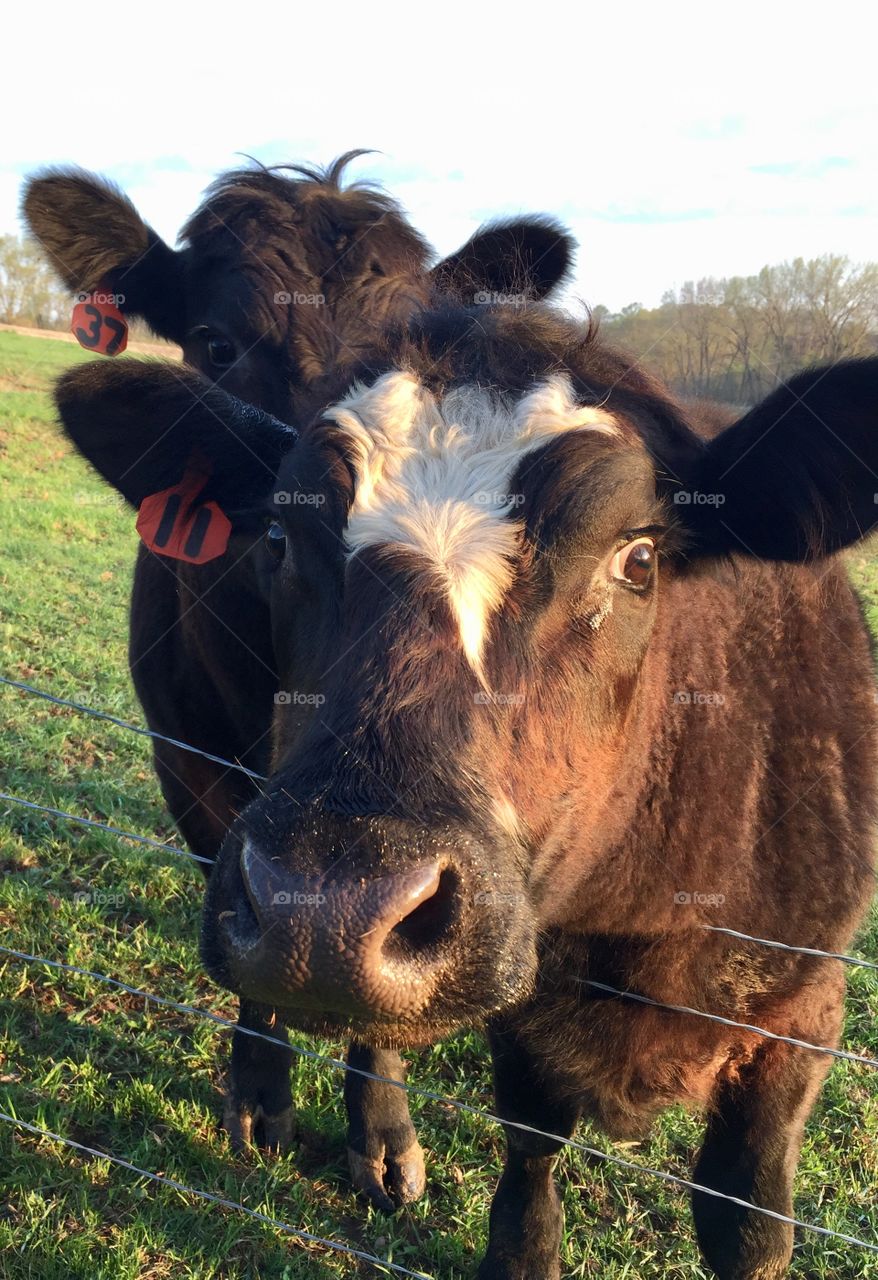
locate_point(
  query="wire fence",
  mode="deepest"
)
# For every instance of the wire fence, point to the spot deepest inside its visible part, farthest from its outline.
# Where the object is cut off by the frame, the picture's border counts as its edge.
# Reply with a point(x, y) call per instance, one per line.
point(261, 777)
point(301, 1051)
point(843, 1054)
point(446, 1100)
point(785, 946)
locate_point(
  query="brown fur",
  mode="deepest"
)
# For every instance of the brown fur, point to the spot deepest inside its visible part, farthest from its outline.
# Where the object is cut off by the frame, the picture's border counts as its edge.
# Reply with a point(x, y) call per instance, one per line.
point(704, 755)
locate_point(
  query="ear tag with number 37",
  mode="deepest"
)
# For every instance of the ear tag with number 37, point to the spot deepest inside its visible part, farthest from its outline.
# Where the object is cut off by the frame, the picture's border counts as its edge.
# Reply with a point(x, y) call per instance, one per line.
point(98, 324)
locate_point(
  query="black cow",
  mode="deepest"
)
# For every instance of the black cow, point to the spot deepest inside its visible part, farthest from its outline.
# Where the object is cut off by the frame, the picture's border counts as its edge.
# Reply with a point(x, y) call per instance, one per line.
point(284, 277)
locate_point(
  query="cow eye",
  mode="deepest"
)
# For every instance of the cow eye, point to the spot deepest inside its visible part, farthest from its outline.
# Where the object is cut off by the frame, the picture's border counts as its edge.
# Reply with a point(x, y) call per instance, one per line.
point(276, 541)
point(634, 564)
point(220, 351)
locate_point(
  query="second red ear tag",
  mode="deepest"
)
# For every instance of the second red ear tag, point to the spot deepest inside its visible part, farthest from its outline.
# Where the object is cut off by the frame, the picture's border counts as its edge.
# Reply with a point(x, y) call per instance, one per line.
point(172, 523)
point(98, 324)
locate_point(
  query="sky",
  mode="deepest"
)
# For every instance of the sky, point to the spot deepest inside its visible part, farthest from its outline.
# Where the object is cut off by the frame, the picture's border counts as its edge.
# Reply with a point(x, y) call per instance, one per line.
point(674, 140)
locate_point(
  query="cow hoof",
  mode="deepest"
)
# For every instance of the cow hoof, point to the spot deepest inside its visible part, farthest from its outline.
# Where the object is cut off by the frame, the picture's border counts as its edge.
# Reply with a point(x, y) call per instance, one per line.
point(504, 1268)
point(251, 1127)
point(389, 1181)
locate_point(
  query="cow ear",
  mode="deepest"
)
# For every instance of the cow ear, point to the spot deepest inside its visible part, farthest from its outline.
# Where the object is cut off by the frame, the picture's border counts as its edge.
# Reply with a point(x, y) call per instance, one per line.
point(522, 256)
point(142, 424)
point(93, 235)
point(797, 476)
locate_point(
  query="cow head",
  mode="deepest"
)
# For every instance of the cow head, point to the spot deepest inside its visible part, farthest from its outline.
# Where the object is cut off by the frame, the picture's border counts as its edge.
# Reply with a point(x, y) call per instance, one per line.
point(466, 558)
point(283, 274)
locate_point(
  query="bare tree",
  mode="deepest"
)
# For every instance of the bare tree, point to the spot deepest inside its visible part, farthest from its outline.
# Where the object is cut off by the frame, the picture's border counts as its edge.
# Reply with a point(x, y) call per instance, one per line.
point(29, 293)
point(735, 338)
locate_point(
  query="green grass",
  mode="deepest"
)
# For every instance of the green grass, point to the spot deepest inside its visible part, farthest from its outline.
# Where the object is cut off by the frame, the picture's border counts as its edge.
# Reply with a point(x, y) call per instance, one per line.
point(104, 1069)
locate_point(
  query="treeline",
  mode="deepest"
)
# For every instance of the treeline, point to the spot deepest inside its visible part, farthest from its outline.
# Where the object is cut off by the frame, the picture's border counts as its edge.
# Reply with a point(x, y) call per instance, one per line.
point(733, 339)
point(29, 290)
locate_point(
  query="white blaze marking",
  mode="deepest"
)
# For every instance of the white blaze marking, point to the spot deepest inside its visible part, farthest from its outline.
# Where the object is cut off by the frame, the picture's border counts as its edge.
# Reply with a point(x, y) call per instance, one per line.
point(434, 478)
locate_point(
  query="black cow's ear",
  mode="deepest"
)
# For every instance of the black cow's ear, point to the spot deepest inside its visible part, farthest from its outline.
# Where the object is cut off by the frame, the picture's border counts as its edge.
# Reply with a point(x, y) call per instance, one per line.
point(93, 235)
point(796, 477)
point(142, 424)
point(522, 256)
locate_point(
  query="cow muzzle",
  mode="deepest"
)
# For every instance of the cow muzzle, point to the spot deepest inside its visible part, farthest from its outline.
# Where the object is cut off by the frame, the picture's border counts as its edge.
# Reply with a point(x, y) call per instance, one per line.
point(365, 948)
point(370, 925)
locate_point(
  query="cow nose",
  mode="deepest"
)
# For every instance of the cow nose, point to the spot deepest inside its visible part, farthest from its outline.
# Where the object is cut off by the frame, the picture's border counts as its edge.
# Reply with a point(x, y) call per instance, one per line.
point(348, 944)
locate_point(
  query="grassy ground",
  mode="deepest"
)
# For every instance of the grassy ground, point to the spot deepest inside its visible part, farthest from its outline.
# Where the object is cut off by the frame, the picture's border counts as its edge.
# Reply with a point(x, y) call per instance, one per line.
point(105, 1069)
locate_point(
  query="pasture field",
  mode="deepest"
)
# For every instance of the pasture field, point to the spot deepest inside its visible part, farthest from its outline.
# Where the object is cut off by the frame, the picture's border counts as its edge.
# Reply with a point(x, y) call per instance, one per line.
point(113, 1072)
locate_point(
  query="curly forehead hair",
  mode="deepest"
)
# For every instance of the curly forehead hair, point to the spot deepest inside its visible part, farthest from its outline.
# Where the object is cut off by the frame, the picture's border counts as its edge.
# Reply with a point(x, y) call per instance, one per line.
point(266, 202)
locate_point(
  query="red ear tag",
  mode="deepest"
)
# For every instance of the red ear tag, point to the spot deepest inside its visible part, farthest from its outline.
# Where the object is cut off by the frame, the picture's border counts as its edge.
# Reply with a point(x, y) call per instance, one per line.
point(98, 324)
point(173, 524)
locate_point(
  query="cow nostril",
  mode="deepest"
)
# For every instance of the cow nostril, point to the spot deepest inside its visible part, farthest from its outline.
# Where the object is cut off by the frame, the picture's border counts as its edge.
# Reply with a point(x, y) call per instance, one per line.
point(423, 929)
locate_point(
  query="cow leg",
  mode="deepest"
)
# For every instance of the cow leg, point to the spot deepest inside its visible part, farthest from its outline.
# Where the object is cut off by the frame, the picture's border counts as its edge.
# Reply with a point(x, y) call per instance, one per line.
point(174, 683)
point(203, 798)
point(751, 1149)
point(526, 1216)
point(258, 1109)
point(385, 1157)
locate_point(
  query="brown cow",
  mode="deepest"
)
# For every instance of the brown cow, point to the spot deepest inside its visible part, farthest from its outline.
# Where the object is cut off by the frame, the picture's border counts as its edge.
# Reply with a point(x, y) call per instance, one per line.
point(580, 684)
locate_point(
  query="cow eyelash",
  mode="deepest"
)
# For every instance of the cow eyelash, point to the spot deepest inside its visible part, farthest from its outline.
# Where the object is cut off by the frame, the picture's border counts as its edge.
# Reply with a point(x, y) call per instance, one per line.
point(654, 531)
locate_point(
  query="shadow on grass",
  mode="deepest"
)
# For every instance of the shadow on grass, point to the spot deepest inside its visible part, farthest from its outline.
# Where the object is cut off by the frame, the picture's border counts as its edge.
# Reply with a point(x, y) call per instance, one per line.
point(142, 1131)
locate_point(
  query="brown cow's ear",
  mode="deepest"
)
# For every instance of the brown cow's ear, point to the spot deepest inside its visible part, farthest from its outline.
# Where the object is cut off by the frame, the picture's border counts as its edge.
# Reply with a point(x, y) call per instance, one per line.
point(530, 257)
point(93, 235)
point(143, 424)
point(796, 477)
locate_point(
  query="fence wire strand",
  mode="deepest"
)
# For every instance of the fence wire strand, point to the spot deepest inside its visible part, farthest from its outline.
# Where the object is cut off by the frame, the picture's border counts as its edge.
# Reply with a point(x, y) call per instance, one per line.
point(785, 946)
point(465, 1107)
point(126, 724)
point(844, 1054)
point(103, 826)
